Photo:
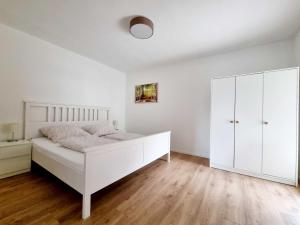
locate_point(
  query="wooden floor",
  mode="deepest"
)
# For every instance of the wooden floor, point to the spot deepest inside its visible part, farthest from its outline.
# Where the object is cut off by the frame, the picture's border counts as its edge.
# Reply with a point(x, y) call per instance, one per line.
point(185, 192)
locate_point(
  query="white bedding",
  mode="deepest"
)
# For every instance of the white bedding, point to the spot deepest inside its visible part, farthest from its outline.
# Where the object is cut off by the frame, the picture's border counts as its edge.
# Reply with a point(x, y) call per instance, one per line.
point(122, 136)
point(63, 155)
point(84, 143)
point(74, 158)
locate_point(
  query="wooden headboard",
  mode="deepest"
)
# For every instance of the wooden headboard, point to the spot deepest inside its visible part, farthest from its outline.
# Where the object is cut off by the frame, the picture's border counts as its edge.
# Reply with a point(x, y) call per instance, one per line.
point(38, 115)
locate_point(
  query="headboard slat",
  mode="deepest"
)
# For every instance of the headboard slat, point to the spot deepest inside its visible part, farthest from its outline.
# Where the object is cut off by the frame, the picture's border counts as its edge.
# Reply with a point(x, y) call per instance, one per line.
point(38, 115)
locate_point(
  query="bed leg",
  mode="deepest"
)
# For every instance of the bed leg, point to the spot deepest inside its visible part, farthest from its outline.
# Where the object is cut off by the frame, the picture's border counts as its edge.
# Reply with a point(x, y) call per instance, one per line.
point(86, 206)
point(169, 157)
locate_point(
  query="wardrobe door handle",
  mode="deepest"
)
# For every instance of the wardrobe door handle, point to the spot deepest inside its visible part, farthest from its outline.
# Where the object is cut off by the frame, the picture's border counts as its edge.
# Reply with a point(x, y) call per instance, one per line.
point(231, 121)
point(265, 123)
point(237, 121)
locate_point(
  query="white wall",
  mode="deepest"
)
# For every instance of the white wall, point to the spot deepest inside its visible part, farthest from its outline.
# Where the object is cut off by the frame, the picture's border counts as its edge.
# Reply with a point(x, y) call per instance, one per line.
point(184, 93)
point(32, 69)
point(297, 48)
point(297, 62)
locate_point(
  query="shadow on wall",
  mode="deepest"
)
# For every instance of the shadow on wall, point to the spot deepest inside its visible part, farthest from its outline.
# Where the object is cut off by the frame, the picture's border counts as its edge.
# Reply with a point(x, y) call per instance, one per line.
point(124, 23)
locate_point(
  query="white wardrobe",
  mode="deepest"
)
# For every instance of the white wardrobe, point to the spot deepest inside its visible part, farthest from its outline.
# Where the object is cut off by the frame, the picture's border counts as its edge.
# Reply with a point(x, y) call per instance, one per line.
point(254, 125)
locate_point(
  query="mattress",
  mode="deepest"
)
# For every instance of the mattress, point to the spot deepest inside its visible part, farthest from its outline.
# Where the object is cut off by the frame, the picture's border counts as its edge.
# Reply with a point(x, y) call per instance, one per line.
point(70, 158)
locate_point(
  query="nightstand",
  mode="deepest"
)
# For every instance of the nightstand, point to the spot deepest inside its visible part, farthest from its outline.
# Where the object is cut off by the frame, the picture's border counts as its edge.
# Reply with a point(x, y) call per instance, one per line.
point(15, 158)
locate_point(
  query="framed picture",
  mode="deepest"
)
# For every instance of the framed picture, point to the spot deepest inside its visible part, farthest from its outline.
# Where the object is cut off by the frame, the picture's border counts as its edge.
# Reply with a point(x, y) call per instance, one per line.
point(146, 93)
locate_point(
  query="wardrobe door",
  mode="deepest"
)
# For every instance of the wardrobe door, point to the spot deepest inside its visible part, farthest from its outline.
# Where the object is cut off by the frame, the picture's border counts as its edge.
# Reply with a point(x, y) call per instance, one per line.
point(280, 123)
point(248, 123)
point(222, 122)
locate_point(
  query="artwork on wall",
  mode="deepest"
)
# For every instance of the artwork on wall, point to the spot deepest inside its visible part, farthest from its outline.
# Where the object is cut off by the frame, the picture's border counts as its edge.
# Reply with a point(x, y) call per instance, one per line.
point(146, 93)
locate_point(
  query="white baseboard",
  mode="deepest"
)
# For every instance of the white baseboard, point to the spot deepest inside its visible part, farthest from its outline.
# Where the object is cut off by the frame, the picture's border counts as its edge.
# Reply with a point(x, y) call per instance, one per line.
point(188, 153)
point(261, 176)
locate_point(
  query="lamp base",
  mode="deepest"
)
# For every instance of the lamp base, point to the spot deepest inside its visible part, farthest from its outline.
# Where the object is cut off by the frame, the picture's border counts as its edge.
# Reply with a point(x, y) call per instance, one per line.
point(11, 140)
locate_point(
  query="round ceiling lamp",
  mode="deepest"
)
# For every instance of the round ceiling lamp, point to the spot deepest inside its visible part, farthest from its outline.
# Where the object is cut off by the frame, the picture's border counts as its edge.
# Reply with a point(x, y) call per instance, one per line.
point(141, 27)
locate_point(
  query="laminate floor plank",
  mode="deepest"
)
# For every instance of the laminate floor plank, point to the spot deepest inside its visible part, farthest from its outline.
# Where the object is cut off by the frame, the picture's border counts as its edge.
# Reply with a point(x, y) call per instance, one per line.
point(184, 192)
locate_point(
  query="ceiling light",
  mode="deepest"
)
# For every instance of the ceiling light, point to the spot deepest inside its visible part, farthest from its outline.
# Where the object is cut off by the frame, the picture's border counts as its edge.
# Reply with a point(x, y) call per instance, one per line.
point(141, 27)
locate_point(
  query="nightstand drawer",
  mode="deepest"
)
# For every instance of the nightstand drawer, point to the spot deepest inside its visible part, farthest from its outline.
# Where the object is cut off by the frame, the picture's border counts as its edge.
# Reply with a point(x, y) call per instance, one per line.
point(15, 151)
point(15, 164)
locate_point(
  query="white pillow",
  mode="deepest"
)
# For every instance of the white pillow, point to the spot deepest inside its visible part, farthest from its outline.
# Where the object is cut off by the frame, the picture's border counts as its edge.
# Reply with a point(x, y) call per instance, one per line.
point(56, 133)
point(99, 129)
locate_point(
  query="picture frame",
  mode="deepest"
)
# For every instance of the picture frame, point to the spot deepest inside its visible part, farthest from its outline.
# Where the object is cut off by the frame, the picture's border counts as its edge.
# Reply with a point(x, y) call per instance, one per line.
point(146, 93)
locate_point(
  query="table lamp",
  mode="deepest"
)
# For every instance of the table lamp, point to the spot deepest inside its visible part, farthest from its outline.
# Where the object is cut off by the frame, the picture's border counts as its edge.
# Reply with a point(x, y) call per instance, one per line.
point(11, 129)
point(115, 124)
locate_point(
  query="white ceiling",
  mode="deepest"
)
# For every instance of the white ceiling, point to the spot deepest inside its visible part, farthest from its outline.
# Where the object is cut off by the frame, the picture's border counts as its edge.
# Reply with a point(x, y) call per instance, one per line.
point(182, 29)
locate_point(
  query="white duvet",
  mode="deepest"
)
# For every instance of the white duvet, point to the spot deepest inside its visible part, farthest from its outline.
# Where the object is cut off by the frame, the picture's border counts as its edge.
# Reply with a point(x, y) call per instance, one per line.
point(82, 144)
point(122, 136)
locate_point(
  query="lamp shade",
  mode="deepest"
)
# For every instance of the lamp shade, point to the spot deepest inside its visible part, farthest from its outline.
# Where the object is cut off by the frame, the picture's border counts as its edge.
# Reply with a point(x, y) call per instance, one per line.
point(141, 27)
point(115, 123)
point(11, 127)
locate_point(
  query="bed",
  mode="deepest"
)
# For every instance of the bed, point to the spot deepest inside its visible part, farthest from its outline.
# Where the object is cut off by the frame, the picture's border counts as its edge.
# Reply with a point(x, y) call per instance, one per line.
point(88, 172)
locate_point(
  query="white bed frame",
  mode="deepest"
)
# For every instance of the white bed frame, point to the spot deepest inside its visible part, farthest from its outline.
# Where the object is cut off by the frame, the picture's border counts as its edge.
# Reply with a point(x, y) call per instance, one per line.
point(103, 165)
